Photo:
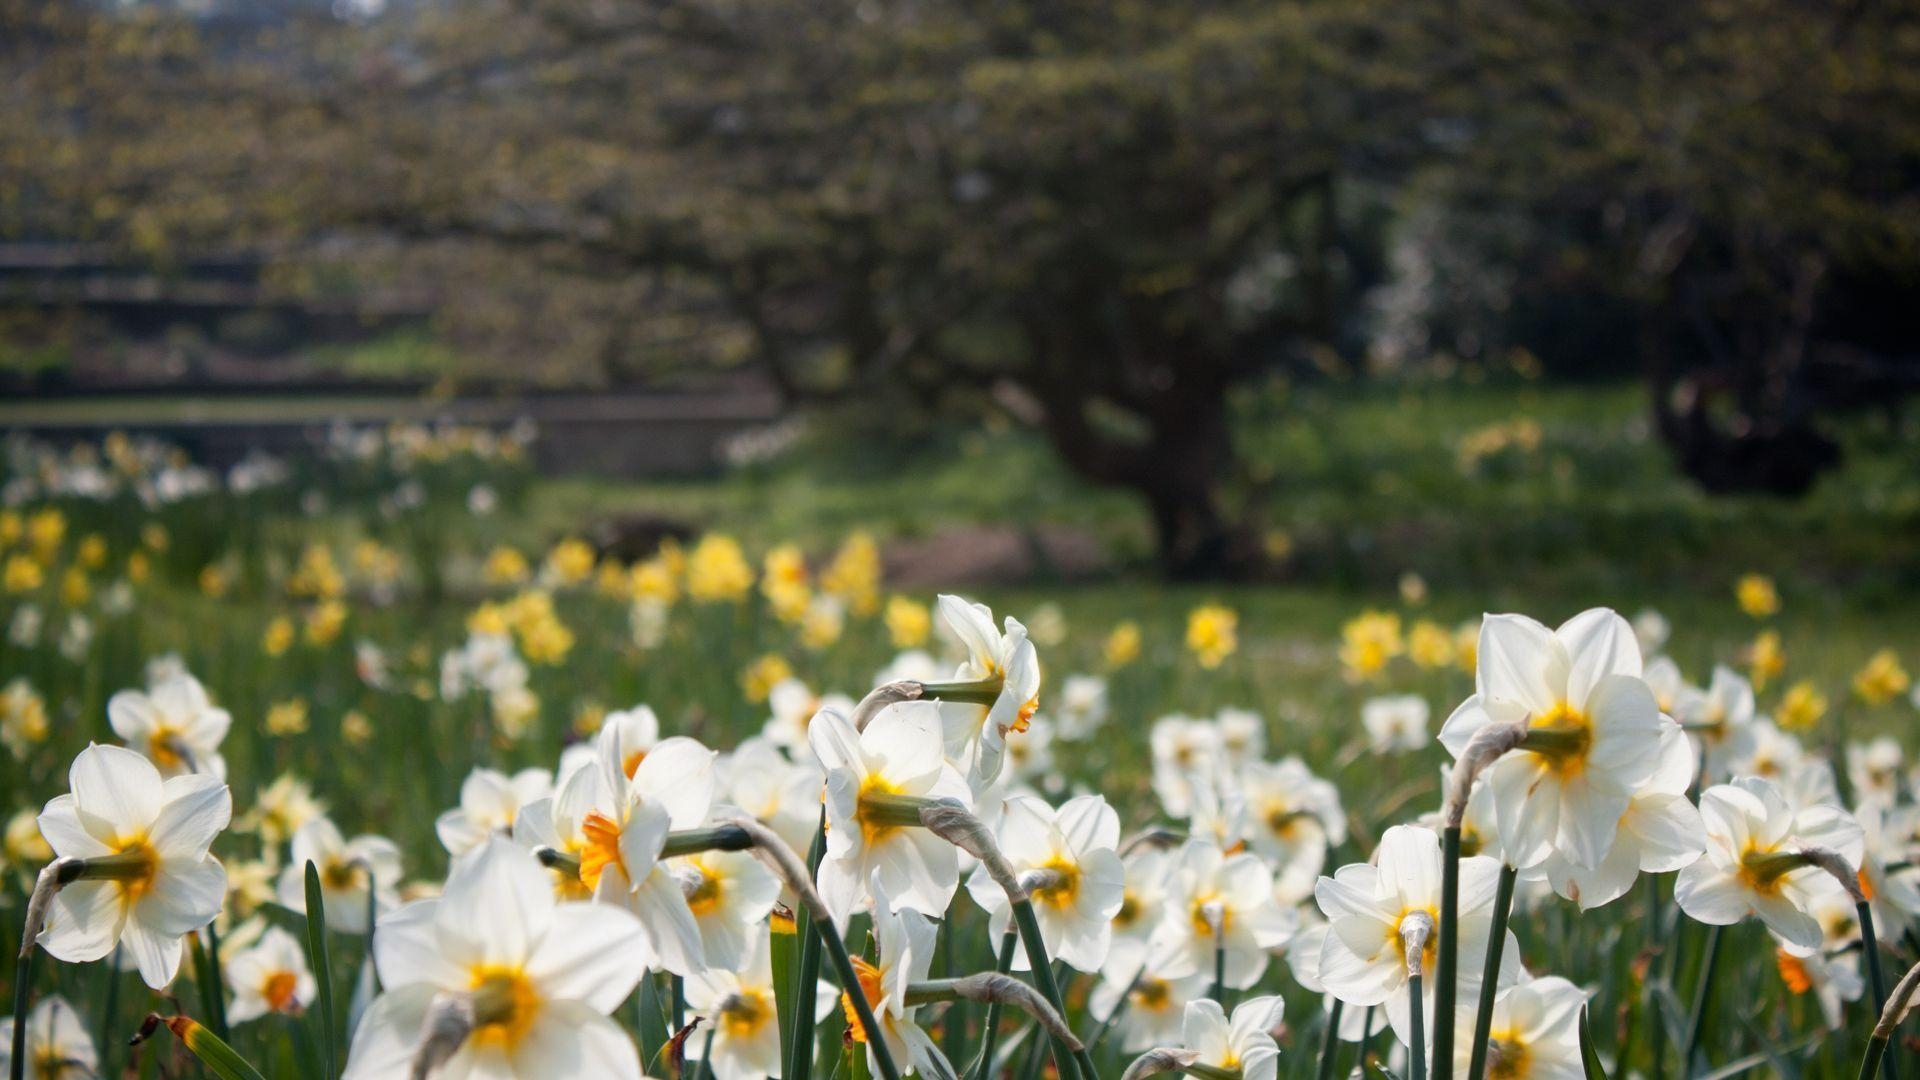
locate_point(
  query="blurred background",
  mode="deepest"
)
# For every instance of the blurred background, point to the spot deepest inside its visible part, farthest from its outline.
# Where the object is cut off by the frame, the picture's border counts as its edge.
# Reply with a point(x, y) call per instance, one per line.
point(1596, 300)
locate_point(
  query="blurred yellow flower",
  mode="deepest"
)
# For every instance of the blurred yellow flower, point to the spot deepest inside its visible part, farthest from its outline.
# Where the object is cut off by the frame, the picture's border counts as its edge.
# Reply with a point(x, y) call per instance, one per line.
point(11, 528)
point(324, 622)
point(587, 718)
point(1430, 645)
point(1413, 589)
point(316, 576)
point(138, 567)
point(822, 623)
point(1368, 641)
point(25, 847)
point(763, 675)
point(376, 563)
point(1278, 544)
point(23, 574)
point(74, 587)
point(1801, 707)
point(92, 552)
point(287, 718)
point(655, 579)
point(488, 618)
point(1123, 645)
point(546, 641)
point(1466, 646)
point(854, 574)
point(280, 809)
point(23, 717)
point(505, 566)
point(213, 581)
point(355, 728)
point(1765, 658)
point(154, 536)
point(1757, 595)
point(1212, 634)
point(1882, 679)
point(570, 561)
point(279, 636)
point(717, 570)
point(613, 581)
point(908, 622)
point(45, 530)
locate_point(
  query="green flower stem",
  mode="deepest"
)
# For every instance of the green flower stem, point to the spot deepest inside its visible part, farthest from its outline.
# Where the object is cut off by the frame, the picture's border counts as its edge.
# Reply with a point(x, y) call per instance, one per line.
point(982, 692)
point(108, 1007)
point(1490, 975)
point(1702, 995)
point(1447, 962)
point(900, 811)
point(218, 977)
point(1875, 980)
point(800, 1065)
point(862, 1008)
point(1649, 1007)
point(1003, 963)
point(679, 1003)
point(1330, 1043)
point(1220, 969)
point(1417, 1060)
point(1890, 1017)
point(1066, 1060)
point(783, 947)
point(706, 1056)
point(22, 979)
point(716, 838)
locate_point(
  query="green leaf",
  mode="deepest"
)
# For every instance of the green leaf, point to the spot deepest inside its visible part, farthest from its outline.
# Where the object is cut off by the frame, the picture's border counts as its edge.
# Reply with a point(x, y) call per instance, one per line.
point(1589, 1056)
point(220, 1059)
point(783, 942)
point(317, 959)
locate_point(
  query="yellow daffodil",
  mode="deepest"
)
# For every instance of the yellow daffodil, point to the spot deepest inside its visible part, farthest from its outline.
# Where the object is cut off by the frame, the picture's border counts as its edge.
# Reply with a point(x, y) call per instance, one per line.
point(1212, 634)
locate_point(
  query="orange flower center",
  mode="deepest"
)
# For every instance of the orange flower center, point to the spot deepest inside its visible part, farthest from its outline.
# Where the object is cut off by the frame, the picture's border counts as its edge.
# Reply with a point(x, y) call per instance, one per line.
point(1793, 972)
point(631, 763)
point(869, 977)
point(279, 990)
point(602, 848)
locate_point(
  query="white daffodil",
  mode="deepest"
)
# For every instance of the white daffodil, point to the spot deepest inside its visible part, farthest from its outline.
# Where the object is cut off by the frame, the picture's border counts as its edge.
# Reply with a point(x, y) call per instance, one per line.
point(1156, 1008)
point(1145, 872)
point(1292, 817)
point(905, 940)
point(1396, 722)
point(540, 977)
point(615, 826)
point(1244, 1045)
point(1775, 755)
point(1753, 835)
point(155, 833)
point(1363, 961)
point(270, 976)
point(174, 724)
point(1185, 752)
point(1218, 901)
point(785, 796)
point(739, 1007)
point(1005, 665)
point(1671, 690)
point(1242, 737)
point(1593, 732)
point(1660, 831)
point(1834, 980)
point(348, 868)
point(1873, 768)
point(489, 802)
point(1535, 1033)
point(280, 809)
point(1081, 708)
point(730, 893)
point(1081, 883)
point(898, 756)
point(1720, 719)
point(627, 735)
point(1303, 961)
point(793, 705)
point(1651, 629)
point(1893, 894)
point(57, 1044)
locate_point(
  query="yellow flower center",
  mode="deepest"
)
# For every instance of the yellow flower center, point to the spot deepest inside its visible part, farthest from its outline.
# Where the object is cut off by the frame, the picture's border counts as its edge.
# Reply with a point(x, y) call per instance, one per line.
point(1203, 921)
point(1062, 884)
point(1430, 950)
point(631, 763)
point(340, 874)
point(1508, 1057)
point(1129, 912)
point(744, 1013)
point(1153, 995)
point(710, 893)
point(136, 849)
point(1024, 718)
point(872, 828)
point(1572, 733)
point(504, 1005)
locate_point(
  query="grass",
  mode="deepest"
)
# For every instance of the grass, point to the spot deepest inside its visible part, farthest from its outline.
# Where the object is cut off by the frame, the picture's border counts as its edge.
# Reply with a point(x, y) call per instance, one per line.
point(1367, 484)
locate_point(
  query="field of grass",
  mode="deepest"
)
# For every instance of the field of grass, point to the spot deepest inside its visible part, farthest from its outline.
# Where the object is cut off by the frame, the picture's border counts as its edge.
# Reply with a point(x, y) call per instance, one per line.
point(318, 611)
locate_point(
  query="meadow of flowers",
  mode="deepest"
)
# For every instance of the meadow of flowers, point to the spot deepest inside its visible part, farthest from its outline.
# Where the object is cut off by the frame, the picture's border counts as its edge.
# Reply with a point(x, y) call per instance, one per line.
point(310, 764)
